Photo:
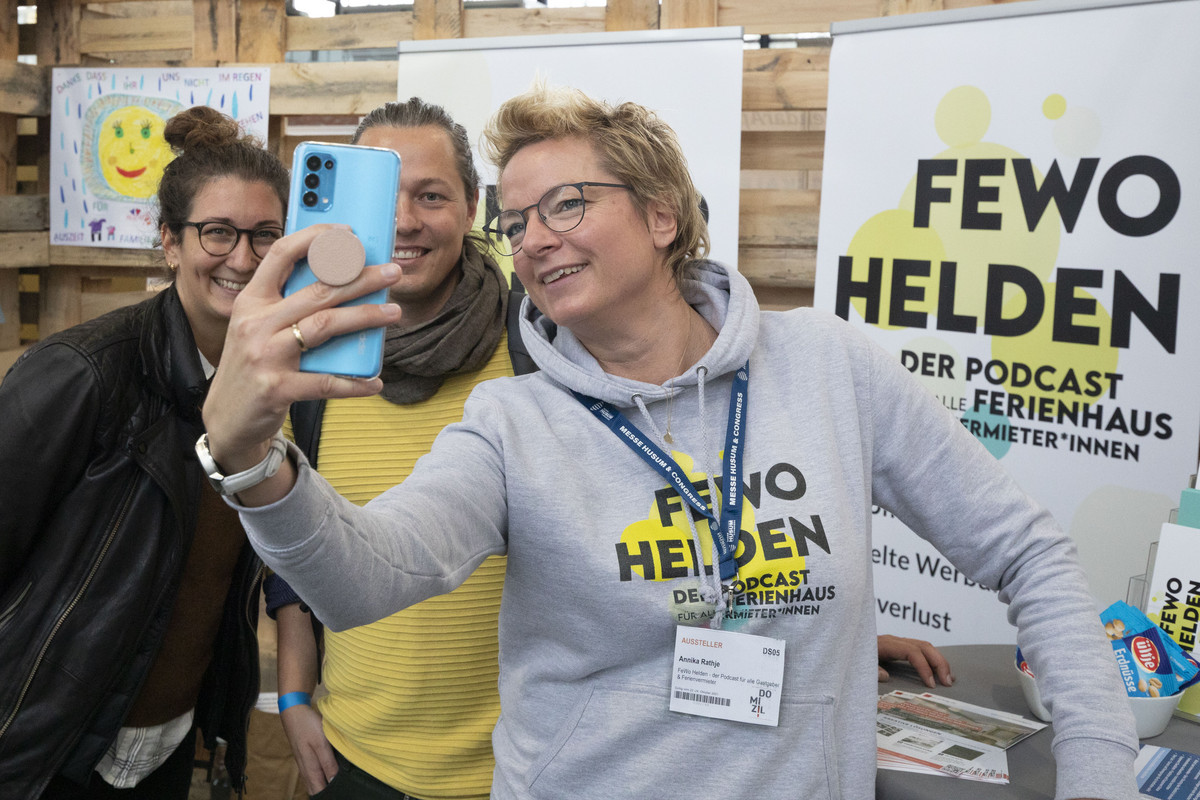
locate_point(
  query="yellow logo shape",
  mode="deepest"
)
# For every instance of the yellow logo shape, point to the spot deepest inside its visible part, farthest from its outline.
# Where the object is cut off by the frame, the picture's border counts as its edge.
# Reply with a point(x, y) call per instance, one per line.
point(660, 547)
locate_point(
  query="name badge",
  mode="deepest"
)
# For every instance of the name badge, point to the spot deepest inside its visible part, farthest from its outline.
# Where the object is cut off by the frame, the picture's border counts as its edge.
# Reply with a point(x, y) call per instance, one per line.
point(727, 675)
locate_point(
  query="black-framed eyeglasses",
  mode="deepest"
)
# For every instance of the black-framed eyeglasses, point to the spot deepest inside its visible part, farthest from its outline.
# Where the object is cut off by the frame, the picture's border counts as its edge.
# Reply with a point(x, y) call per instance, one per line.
point(220, 238)
point(560, 209)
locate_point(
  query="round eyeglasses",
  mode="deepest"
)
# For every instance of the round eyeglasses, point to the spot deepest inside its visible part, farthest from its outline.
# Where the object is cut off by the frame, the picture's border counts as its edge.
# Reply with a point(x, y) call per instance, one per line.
point(560, 209)
point(220, 238)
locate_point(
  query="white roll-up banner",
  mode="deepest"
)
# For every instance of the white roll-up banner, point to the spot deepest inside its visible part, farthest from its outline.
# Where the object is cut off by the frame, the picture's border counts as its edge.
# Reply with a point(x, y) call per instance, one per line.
point(691, 77)
point(1011, 206)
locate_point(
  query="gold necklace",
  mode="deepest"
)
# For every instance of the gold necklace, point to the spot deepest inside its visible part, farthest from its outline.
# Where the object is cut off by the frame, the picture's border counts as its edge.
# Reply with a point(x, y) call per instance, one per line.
point(671, 393)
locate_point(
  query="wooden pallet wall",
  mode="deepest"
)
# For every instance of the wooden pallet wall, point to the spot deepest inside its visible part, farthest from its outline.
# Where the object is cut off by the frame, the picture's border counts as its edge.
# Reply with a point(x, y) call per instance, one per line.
point(783, 118)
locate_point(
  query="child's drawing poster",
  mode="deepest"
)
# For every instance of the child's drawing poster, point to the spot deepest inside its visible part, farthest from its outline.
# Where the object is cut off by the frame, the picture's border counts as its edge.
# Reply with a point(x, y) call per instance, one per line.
point(107, 149)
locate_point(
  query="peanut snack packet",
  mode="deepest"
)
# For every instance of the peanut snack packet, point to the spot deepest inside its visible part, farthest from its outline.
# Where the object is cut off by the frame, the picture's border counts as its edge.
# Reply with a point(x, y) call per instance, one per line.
point(1151, 664)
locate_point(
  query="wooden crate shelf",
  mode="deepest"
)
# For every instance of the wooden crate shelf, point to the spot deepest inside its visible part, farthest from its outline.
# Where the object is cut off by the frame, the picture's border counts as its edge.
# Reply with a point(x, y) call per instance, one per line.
point(783, 122)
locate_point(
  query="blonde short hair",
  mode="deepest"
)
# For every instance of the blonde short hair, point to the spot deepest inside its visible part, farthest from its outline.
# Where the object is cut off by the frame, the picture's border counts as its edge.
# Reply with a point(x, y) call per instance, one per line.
point(632, 143)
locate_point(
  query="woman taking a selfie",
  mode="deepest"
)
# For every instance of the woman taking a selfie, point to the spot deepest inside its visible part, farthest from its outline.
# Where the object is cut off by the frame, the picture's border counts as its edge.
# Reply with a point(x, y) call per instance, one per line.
point(128, 591)
point(645, 497)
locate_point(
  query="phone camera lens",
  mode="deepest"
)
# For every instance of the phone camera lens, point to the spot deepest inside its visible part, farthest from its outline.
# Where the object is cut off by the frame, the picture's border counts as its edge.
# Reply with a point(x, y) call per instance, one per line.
point(312, 180)
point(310, 199)
point(329, 164)
point(314, 163)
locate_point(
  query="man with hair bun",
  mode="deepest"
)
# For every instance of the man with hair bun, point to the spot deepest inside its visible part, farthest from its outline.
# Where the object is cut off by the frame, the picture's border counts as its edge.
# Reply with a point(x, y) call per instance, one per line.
point(129, 595)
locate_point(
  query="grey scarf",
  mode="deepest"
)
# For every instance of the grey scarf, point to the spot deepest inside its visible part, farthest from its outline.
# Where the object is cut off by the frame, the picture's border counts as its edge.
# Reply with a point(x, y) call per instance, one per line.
point(461, 338)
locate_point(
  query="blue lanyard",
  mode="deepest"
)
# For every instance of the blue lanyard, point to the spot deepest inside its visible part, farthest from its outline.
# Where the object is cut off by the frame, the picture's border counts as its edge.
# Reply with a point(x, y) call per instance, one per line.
point(726, 530)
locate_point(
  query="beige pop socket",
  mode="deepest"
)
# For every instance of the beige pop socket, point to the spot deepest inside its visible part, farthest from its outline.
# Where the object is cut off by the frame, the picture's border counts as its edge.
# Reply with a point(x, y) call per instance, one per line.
point(336, 257)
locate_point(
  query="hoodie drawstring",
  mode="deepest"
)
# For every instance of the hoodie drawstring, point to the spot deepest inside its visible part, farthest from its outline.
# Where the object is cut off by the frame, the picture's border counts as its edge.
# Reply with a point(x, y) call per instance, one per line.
point(710, 585)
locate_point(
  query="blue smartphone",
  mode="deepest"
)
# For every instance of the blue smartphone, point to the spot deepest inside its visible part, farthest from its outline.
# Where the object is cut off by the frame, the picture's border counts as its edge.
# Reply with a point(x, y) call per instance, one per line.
point(356, 186)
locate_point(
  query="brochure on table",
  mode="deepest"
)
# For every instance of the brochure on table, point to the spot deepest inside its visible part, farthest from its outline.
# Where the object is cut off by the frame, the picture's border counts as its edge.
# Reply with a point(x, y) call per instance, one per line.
point(1167, 774)
point(936, 735)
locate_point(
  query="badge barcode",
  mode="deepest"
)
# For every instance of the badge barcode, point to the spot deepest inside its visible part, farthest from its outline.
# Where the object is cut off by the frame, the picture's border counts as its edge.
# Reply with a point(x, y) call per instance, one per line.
point(702, 698)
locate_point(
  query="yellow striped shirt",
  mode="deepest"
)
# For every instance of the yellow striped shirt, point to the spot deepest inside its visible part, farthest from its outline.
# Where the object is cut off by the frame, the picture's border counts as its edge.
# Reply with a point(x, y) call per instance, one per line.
point(412, 698)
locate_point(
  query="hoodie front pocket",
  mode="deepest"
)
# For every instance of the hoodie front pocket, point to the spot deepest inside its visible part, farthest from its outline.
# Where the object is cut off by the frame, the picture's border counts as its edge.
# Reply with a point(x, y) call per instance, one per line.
point(624, 742)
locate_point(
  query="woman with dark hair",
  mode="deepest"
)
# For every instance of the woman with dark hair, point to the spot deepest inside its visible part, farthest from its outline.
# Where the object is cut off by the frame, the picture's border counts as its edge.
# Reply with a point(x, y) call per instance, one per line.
point(128, 597)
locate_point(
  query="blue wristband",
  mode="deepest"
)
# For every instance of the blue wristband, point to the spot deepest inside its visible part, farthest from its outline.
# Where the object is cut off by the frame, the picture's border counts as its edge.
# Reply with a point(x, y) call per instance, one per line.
point(293, 699)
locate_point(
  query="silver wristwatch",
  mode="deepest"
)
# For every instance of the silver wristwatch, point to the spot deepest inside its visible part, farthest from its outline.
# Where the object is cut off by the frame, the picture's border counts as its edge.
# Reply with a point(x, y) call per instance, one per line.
point(241, 481)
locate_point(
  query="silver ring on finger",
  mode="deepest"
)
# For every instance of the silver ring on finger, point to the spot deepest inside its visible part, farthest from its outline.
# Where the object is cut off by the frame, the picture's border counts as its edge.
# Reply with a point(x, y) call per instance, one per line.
point(299, 337)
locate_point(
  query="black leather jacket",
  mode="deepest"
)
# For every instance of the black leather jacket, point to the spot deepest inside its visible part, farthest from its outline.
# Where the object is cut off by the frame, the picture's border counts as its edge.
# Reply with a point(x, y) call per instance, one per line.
point(99, 490)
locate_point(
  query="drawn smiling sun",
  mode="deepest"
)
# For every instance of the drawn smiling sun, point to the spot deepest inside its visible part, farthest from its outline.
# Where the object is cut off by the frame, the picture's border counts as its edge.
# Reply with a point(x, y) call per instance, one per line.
point(132, 151)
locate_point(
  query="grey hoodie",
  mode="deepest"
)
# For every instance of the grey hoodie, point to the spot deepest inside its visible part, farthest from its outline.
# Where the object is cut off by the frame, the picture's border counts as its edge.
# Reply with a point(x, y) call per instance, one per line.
point(597, 543)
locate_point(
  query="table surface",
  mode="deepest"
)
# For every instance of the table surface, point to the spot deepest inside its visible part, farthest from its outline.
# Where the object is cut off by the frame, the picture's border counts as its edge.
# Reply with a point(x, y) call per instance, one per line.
point(984, 675)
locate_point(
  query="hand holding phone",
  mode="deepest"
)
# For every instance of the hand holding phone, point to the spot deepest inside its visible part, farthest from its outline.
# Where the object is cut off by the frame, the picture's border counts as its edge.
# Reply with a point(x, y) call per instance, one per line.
point(356, 186)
